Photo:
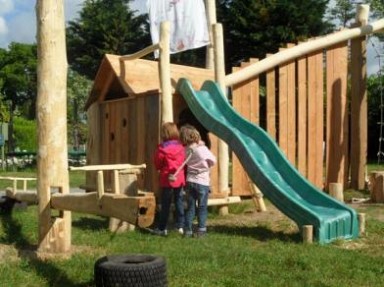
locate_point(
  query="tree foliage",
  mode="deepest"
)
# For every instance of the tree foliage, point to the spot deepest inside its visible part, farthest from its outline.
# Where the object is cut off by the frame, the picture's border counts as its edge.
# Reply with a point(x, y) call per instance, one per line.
point(18, 77)
point(77, 94)
point(375, 87)
point(104, 26)
point(254, 28)
point(342, 13)
point(377, 7)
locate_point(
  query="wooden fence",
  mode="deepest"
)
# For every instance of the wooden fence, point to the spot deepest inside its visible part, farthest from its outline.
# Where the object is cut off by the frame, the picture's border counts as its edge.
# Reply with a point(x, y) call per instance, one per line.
point(303, 104)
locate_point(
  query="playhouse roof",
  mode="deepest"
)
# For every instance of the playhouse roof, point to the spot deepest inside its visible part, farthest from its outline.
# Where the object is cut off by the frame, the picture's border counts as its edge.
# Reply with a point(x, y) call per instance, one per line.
point(116, 79)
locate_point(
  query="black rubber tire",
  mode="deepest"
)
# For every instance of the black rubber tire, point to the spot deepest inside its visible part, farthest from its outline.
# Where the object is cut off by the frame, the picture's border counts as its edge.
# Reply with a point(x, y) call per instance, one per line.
point(6, 204)
point(136, 270)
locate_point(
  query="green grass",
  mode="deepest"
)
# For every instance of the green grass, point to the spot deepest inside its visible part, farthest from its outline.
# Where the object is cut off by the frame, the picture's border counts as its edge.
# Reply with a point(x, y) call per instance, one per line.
point(242, 249)
point(253, 253)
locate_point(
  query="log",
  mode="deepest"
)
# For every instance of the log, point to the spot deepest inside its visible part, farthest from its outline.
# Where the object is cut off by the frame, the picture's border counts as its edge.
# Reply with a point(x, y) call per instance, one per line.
point(376, 187)
point(51, 118)
point(336, 191)
point(301, 50)
point(223, 155)
point(135, 168)
point(361, 217)
point(25, 196)
point(138, 210)
point(307, 233)
point(224, 201)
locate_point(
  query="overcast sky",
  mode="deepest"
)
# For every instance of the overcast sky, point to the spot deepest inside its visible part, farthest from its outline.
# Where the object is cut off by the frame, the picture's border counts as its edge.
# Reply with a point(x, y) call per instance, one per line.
point(18, 23)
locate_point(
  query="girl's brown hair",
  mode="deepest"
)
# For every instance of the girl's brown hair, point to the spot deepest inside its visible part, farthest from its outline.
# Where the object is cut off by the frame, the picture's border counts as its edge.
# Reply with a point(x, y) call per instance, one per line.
point(189, 134)
point(169, 131)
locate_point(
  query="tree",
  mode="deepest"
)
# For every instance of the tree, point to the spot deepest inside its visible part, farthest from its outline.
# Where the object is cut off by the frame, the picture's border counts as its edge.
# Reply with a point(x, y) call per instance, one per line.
point(253, 28)
point(18, 76)
point(18, 81)
point(77, 93)
point(375, 87)
point(342, 13)
point(377, 6)
point(104, 26)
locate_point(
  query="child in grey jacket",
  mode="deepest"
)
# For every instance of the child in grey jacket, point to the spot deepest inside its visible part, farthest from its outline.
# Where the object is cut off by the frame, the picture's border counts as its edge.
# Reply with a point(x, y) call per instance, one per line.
point(197, 179)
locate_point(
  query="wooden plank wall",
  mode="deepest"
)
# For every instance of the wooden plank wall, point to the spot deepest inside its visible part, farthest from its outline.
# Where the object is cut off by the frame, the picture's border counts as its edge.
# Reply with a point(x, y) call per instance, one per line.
point(315, 119)
point(130, 134)
point(302, 105)
point(337, 115)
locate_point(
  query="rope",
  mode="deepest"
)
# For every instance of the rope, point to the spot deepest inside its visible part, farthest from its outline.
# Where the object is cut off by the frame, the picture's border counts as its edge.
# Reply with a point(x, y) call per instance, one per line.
point(380, 153)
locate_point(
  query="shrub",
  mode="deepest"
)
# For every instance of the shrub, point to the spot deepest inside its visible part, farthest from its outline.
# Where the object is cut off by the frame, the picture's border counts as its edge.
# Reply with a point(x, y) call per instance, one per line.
point(25, 134)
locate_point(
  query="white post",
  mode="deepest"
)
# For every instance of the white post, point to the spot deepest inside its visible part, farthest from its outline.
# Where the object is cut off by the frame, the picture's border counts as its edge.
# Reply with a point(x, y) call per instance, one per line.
point(165, 73)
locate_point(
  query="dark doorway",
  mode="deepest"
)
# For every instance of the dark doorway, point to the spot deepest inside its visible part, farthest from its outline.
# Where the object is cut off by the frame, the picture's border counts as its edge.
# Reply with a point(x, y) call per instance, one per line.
point(187, 117)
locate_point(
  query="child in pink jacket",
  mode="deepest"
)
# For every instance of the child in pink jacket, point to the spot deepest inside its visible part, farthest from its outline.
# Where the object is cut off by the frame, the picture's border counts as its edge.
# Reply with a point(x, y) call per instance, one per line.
point(169, 156)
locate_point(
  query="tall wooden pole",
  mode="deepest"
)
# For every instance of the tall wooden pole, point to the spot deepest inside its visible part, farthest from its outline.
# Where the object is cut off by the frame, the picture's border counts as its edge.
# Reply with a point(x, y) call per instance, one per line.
point(52, 162)
point(165, 73)
point(211, 19)
point(215, 60)
point(359, 106)
point(223, 155)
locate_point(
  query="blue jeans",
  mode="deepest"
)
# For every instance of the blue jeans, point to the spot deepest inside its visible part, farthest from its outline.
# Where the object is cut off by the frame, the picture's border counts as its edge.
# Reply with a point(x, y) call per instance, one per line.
point(169, 193)
point(197, 197)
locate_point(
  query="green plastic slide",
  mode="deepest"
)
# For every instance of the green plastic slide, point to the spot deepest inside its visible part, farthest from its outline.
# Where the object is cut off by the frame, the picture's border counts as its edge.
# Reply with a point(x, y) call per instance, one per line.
point(268, 168)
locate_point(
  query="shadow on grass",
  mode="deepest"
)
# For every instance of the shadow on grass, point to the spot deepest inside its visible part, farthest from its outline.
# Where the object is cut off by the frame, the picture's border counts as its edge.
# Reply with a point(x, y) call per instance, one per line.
point(43, 268)
point(91, 224)
point(260, 233)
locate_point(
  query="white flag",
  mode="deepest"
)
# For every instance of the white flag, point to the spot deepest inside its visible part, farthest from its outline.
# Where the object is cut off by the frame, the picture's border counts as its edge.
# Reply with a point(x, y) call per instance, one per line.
point(189, 29)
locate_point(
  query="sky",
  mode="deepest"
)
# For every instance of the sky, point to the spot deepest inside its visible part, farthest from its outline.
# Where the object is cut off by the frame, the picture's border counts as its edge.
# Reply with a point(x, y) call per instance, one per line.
point(18, 24)
point(18, 18)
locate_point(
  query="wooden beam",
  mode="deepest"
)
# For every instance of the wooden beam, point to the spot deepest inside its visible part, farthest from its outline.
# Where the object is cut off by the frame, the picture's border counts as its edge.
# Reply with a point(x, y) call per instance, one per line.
point(224, 201)
point(301, 50)
point(25, 196)
point(138, 210)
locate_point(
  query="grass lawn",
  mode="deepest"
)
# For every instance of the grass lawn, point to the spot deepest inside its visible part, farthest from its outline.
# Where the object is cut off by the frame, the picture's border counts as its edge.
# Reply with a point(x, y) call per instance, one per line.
point(76, 178)
point(244, 248)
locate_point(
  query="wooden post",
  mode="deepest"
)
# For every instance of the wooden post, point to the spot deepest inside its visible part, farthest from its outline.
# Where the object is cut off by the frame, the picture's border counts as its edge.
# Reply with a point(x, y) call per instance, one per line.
point(223, 154)
point(337, 118)
point(52, 156)
point(307, 233)
point(359, 107)
point(376, 187)
point(336, 191)
point(100, 184)
point(125, 182)
point(165, 73)
point(361, 217)
point(257, 197)
point(211, 19)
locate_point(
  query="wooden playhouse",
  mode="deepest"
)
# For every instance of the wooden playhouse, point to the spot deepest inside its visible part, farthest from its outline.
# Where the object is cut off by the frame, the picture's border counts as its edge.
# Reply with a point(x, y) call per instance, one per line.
point(124, 116)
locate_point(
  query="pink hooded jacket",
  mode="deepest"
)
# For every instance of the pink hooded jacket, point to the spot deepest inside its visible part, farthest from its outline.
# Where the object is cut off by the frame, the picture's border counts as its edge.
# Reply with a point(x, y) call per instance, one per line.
point(169, 156)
